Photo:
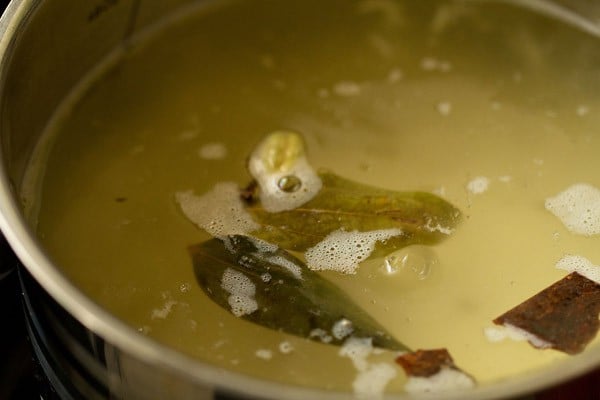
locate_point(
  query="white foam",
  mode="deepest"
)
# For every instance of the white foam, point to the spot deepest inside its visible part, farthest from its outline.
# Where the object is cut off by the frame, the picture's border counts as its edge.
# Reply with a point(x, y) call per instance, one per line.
point(446, 380)
point(395, 75)
point(164, 311)
point(145, 330)
point(265, 354)
point(429, 64)
point(323, 93)
point(581, 265)
point(280, 155)
point(444, 66)
point(283, 262)
point(517, 76)
point(444, 108)
point(478, 185)
point(578, 208)
point(342, 328)
point(286, 347)
point(534, 340)
point(371, 378)
point(582, 110)
point(188, 134)
point(440, 191)
point(372, 381)
point(342, 251)
point(507, 331)
point(357, 350)
point(497, 334)
point(263, 245)
point(433, 64)
point(241, 292)
point(219, 212)
point(496, 105)
point(438, 228)
point(267, 252)
point(389, 13)
point(347, 88)
point(213, 151)
point(321, 334)
point(185, 287)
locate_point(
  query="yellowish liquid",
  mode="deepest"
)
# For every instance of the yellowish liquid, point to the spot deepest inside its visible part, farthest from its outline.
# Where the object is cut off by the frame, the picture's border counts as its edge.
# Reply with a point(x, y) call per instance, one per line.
point(402, 95)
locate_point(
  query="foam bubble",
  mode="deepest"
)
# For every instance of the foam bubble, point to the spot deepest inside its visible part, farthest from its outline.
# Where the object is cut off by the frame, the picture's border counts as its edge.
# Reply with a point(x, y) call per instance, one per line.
point(372, 381)
point(262, 245)
point(395, 75)
point(320, 334)
point(432, 64)
point(278, 157)
point(145, 330)
point(283, 262)
point(447, 379)
point(578, 208)
point(357, 350)
point(188, 134)
point(342, 328)
point(497, 334)
point(440, 191)
point(265, 354)
point(241, 292)
point(219, 212)
point(347, 88)
point(444, 108)
point(164, 311)
point(582, 110)
point(185, 287)
point(268, 252)
point(371, 378)
point(581, 265)
point(213, 151)
point(478, 185)
point(286, 347)
point(530, 337)
point(507, 331)
point(438, 228)
point(429, 64)
point(342, 251)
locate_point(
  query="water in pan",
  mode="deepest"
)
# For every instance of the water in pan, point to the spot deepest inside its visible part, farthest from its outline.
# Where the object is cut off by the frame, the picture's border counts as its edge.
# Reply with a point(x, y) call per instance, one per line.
point(491, 107)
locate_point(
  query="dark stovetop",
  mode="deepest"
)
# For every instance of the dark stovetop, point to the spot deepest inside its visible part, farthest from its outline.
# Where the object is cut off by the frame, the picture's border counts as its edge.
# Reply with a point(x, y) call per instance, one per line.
point(19, 377)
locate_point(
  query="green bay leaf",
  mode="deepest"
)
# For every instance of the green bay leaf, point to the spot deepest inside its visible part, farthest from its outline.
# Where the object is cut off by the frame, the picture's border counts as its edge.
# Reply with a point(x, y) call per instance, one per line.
point(342, 204)
point(287, 296)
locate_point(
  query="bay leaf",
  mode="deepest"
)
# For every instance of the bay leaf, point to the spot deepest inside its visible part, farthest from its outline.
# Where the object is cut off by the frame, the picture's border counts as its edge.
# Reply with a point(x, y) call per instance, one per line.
point(286, 295)
point(342, 204)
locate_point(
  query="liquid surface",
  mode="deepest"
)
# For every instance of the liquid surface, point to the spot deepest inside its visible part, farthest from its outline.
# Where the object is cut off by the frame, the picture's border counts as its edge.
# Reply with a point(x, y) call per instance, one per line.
point(492, 107)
